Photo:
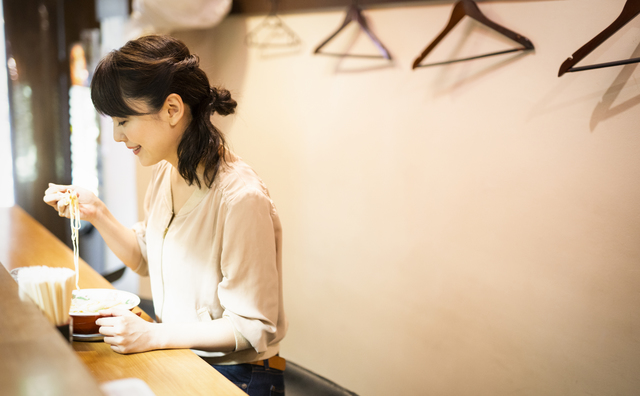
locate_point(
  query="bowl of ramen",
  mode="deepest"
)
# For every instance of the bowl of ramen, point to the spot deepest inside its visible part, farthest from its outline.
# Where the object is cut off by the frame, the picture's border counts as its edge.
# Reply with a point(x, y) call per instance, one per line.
point(87, 303)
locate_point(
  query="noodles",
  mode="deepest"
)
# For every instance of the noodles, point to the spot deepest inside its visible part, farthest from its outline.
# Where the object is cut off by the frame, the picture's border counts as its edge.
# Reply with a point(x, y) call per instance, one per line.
point(51, 290)
point(71, 200)
point(86, 305)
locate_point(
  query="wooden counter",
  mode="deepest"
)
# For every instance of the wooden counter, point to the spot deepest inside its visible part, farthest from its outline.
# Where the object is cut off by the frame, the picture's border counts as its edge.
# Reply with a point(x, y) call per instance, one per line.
point(35, 355)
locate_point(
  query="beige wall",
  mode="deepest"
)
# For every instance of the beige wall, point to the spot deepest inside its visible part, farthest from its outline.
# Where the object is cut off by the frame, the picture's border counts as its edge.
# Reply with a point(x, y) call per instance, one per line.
point(470, 229)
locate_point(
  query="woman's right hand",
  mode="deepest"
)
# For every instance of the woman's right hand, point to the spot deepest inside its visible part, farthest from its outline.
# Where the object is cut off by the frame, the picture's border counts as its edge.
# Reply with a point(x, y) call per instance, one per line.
point(88, 203)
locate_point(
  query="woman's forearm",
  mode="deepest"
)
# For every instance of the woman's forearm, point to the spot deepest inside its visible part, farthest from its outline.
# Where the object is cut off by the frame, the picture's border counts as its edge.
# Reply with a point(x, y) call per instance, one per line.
point(214, 336)
point(122, 241)
point(128, 333)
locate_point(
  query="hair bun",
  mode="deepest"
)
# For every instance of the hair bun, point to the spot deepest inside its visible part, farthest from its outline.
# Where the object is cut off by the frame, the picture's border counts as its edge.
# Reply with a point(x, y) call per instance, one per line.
point(221, 101)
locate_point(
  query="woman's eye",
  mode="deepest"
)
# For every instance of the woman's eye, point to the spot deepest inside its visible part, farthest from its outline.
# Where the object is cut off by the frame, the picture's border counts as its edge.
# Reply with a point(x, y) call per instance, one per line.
point(121, 123)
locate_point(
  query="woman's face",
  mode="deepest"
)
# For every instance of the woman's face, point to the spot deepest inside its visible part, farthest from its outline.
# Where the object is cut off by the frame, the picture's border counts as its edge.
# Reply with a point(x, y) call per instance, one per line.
point(150, 137)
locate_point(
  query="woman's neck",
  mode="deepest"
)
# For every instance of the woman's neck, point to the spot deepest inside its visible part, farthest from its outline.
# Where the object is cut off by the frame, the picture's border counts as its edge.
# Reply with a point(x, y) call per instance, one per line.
point(180, 190)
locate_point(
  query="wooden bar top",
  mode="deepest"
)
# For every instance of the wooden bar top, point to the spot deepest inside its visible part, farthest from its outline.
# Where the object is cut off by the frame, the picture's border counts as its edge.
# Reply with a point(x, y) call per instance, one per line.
point(35, 358)
point(33, 351)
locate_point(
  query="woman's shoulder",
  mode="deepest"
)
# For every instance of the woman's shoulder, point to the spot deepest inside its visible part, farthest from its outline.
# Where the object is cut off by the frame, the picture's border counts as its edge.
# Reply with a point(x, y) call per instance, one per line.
point(238, 180)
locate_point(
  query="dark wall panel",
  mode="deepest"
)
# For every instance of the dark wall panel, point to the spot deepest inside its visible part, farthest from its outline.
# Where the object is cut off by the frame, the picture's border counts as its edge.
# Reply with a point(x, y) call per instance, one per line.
point(38, 35)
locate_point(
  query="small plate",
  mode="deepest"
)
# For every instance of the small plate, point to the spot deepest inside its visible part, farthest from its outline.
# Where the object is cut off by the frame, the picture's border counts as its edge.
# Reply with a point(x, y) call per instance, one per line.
point(88, 337)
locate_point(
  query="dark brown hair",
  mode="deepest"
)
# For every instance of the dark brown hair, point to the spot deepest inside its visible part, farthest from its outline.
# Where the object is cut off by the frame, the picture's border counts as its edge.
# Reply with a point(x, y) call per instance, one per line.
point(151, 68)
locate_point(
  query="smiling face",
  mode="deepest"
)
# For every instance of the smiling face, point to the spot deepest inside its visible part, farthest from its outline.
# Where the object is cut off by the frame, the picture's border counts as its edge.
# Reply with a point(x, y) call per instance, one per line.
point(147, 137)
point(153, 137)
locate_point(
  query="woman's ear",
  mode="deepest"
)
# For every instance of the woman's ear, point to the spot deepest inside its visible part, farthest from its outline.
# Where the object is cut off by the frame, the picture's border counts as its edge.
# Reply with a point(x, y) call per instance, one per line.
point(174, 109)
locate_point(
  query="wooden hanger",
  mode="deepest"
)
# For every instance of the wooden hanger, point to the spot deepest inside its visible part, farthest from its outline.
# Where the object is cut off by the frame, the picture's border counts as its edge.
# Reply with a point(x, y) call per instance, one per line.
point(270, 28)
point(354, 13)
point(470, 9)
point(630, 11)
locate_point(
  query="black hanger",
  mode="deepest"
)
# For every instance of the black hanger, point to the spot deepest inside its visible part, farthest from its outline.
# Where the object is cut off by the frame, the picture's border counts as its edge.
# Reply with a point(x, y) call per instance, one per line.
point(631, 10)
point(354, 13)
point(274, 28)
point(470, 8)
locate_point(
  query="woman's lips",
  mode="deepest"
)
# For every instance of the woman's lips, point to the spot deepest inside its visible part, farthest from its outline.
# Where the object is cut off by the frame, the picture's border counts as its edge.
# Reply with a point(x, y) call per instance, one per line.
point(136, 149)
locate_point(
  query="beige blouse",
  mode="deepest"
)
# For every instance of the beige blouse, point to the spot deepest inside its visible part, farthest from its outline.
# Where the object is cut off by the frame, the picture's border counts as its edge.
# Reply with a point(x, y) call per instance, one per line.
point(220, 256)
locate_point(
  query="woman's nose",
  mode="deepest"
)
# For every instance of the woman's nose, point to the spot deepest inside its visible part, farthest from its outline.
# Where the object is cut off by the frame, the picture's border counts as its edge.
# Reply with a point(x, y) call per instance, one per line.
point(118, 136)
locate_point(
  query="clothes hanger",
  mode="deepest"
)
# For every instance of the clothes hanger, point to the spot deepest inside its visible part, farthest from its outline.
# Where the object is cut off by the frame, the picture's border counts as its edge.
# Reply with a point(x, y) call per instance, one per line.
point(630, 11)
point(271, 28)
point(470, 9)
point(354, 13)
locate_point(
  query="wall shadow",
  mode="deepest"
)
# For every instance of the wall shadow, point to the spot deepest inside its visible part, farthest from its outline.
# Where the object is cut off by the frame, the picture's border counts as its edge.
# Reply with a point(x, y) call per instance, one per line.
point(605, 108)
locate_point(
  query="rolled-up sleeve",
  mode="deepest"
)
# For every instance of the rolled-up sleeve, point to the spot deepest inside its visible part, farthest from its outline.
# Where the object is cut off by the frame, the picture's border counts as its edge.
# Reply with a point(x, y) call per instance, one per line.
point(249, 289)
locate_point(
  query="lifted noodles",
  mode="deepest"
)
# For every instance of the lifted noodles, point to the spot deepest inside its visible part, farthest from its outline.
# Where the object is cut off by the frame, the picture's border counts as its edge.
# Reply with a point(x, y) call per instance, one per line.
point(71, 200)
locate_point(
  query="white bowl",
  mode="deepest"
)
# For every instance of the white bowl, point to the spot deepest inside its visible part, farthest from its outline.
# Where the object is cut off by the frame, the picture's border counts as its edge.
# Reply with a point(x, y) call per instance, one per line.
point(85, 322)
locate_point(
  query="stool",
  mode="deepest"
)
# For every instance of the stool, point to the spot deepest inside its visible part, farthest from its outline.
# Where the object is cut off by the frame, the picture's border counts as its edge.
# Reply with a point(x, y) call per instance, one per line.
point(298, 381)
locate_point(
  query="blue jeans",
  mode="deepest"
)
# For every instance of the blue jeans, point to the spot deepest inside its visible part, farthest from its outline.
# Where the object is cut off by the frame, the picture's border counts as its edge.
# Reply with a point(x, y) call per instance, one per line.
point(254, 380)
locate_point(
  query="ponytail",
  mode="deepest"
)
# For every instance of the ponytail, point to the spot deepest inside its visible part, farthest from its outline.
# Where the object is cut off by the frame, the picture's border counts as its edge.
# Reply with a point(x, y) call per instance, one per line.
point(201, 133)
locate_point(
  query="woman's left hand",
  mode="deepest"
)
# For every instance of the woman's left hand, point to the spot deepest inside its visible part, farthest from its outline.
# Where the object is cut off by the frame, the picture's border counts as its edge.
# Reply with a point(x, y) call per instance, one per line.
point(125, 331)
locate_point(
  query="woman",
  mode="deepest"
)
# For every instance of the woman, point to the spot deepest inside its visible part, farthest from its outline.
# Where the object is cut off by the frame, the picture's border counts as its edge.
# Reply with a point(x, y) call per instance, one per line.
point(211, 238)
